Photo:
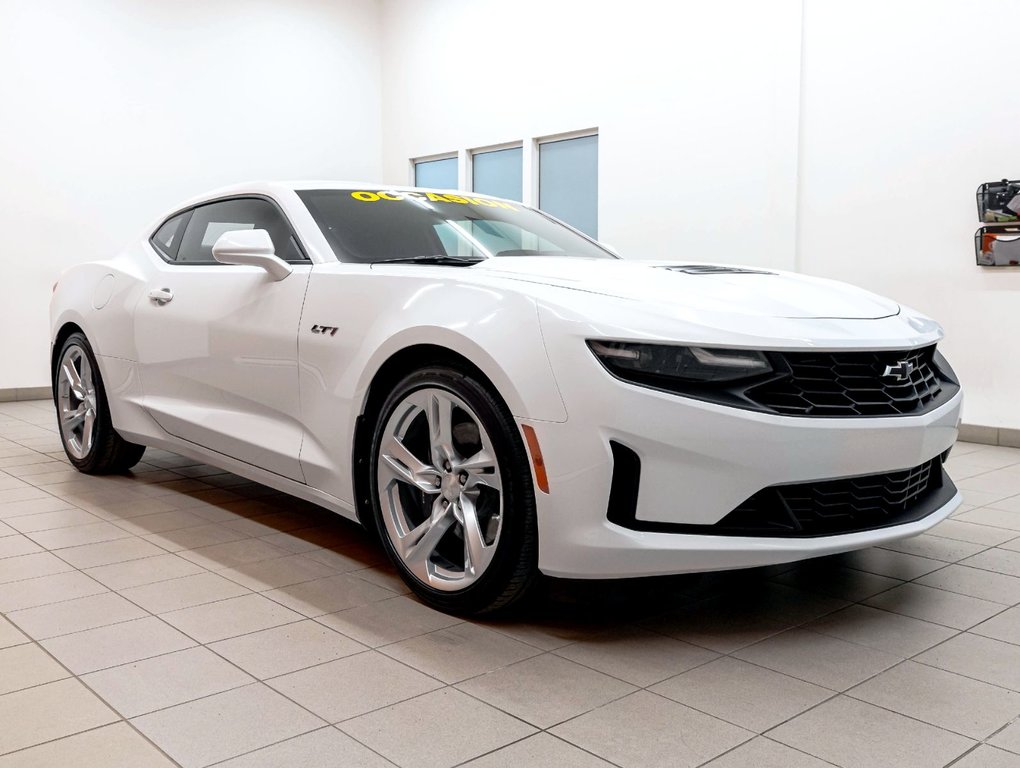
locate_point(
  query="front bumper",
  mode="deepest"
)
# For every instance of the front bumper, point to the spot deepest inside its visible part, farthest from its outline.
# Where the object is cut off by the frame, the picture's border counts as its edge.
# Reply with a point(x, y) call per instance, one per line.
point(699, 461)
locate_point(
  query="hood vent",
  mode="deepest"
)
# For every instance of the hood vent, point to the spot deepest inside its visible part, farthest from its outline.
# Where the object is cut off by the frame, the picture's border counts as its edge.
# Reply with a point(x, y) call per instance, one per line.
point(712, 269)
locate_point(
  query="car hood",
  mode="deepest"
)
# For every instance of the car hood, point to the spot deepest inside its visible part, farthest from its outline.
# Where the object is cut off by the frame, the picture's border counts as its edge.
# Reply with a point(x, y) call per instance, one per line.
point(699, 287)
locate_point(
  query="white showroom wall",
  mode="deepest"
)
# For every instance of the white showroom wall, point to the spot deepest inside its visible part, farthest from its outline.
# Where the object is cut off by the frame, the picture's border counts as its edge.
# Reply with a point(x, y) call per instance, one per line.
point(906, 109)
point(695, 105)
point(115, 110)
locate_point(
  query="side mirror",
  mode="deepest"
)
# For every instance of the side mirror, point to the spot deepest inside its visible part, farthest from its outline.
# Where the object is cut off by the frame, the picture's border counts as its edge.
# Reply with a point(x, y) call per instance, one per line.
point(253, 247)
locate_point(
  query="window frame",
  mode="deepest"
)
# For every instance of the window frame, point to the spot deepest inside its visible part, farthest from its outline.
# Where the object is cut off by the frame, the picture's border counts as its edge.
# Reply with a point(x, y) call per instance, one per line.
point(189, 211)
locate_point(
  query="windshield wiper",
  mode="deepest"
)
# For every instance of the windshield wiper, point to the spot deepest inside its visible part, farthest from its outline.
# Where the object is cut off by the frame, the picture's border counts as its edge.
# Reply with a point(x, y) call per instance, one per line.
point(432, 258)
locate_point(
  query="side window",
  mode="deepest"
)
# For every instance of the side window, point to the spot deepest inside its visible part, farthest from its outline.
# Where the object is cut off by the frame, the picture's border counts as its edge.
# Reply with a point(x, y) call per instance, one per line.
point(210, 221)
point(168, 237)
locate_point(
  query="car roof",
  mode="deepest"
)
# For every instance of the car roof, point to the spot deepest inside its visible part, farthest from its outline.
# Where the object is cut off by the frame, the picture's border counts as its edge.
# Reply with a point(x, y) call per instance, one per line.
point(274, 188)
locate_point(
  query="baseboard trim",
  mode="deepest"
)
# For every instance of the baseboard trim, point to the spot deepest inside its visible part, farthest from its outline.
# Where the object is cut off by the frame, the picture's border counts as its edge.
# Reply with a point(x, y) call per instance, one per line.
point(973, 433)
point(25, 393)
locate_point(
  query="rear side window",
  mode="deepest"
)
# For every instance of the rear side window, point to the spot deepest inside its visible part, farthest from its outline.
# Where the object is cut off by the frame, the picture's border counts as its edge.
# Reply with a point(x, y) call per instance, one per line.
point(210, 221)
point(168, 237)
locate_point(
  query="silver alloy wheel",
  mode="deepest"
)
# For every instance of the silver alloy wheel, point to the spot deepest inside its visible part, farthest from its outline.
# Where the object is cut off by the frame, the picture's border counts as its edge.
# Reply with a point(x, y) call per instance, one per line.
point(76, 402)
point(439, 489)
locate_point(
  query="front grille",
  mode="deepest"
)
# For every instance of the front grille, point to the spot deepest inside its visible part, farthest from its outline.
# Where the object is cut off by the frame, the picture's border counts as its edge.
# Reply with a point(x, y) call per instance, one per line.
point(850, 383)
point(840, 506)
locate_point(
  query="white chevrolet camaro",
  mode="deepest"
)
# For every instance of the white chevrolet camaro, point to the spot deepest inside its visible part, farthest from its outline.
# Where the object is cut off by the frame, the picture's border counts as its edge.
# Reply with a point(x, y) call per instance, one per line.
point(498, 395)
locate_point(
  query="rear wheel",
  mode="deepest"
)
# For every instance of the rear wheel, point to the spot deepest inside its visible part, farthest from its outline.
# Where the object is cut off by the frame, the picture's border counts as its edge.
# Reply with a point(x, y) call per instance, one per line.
point(91, 443)
point(452, 493)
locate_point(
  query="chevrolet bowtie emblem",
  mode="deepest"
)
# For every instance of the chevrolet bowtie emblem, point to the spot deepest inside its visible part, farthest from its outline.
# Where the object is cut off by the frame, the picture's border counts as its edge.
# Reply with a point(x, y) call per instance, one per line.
point(901, 371)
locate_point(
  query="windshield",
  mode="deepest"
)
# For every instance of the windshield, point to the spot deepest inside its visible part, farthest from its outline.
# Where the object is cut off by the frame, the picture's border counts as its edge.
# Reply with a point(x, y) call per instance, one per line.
point(370, 226)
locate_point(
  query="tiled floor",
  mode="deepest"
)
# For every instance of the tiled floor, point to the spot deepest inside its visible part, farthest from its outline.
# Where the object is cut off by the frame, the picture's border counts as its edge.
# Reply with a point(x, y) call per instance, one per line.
point(182, 616)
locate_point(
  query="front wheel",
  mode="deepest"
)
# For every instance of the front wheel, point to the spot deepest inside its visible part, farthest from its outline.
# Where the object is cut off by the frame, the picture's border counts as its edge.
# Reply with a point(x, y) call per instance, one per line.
point(452, 493)
point(91, 443)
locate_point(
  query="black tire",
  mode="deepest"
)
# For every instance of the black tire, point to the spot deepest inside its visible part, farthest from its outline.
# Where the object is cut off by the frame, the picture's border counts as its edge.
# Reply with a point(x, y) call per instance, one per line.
point(513, 569)
point(109, 453)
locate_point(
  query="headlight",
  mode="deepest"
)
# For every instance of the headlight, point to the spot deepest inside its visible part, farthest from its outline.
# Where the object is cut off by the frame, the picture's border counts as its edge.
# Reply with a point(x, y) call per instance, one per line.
point(662, 364)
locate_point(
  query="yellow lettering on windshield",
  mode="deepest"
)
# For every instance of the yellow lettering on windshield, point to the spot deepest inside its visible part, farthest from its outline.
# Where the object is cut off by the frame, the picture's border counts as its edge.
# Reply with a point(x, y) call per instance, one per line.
point(436, 198)
point(366, 197)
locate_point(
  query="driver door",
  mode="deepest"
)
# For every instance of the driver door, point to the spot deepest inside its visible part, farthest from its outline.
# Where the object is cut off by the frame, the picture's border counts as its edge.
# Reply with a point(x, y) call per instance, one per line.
point(217, 343)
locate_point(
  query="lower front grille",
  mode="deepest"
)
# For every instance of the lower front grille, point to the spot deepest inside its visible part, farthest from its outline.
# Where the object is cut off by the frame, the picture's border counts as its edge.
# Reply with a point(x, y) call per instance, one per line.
point(839, 506)
point(822, 508)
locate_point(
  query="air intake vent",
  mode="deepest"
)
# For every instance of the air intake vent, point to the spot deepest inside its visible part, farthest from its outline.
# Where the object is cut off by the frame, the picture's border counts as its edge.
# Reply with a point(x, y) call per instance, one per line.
point(624, 491)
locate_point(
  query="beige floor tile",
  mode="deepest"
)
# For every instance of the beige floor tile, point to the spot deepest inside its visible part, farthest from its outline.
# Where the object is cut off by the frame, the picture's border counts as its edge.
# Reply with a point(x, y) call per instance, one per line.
point(46, 589)
point(109, 552)
point(545, 633)
point(10, 635)
point(276, 573)
point(164, 681)
point(1007, 520)
point(31, 566)
point(874, 628)
point(941, 698)
point(997, 560)
point(185, 592)
point(48, 712)
point(149, 570)
point(162, 521)
point(982, 498)
point(354, 685)
point(954, 528)
point(233, 554)
point(1008, 738)
point(15, 546)
point(820, 659)
point(988, 757)
point(885, 562)
point(854, 734)
point(317, 749)
point(837, 581)
point(1010, 504)
point(744, 694)
point(1005, 481)
point(646, 731)
point(539, 751)
point(47, 521)
point(546, 689)
point(636, 655)
point(111, 646)
point(964, 580)
point(33, 506)
point(387, 621)
point(761, 752)
point(24, 666)
point(329, 595)
point(383, 576)
point(22, 492)
point(281, 650)
point(78, 535)
point(112, 746)
point(935, 605)
point(981, 658)
point(225, 725)
point(1005, 626)
point(200, 536)
point(83, 613)
point(230, 618)
point(459, 652)
point(935, 547)
point(716, 626)
point(465, 729)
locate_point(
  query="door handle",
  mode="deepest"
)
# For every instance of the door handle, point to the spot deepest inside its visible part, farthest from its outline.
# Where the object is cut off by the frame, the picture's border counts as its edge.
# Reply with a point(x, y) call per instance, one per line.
point(161, 295)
